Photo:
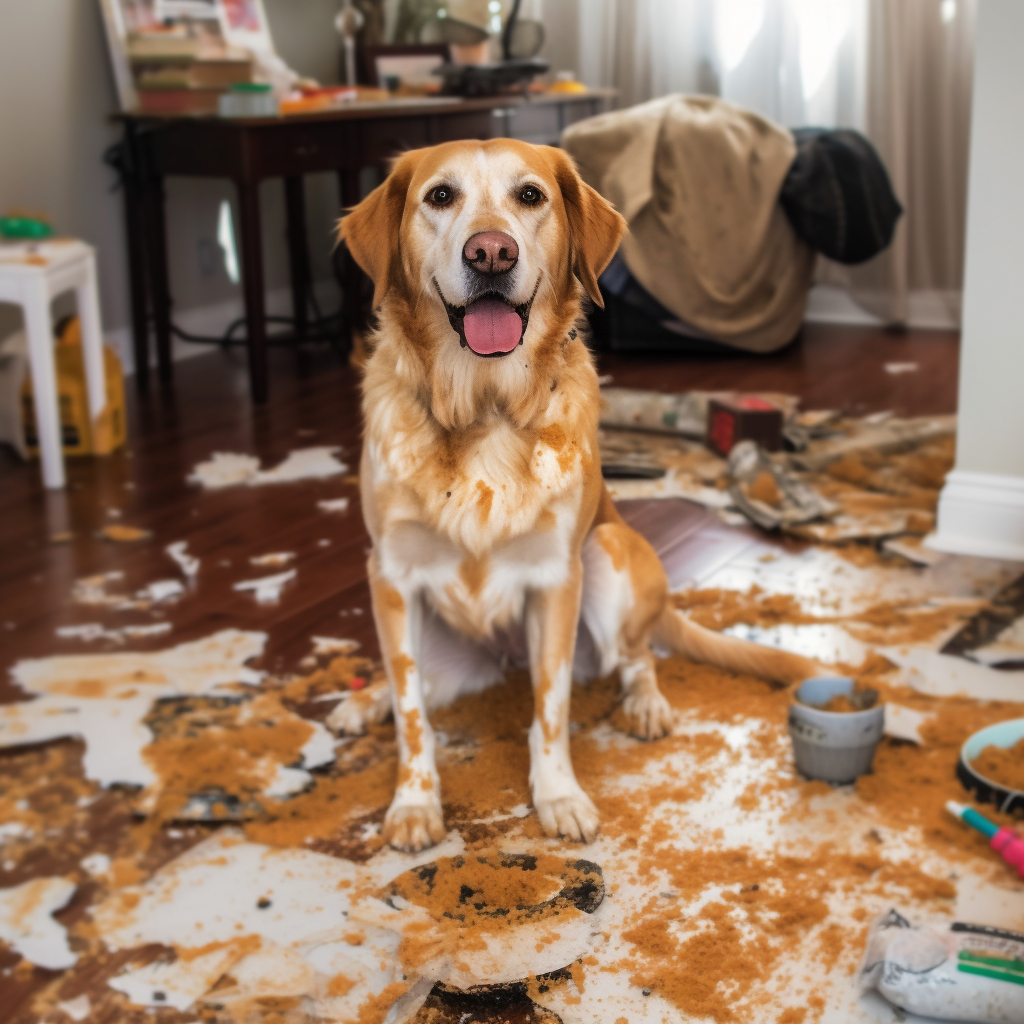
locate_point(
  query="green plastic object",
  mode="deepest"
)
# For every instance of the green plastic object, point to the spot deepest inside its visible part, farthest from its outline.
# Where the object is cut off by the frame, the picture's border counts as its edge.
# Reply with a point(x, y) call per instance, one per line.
point(980, 822)
point(250, 87)
point(24, 228)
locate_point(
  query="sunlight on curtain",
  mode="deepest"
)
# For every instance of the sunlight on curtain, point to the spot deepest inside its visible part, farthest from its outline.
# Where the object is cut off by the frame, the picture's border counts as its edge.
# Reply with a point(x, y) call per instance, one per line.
point(797, 62)
point(897, 70)
point(737, 23)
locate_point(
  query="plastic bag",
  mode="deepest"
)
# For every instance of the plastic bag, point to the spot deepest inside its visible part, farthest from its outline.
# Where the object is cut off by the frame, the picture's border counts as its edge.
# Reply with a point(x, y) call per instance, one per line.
point(965, 972)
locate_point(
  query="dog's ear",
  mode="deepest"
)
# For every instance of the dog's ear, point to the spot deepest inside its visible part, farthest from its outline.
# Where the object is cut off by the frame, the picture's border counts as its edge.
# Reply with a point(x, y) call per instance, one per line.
point(371, 230)
point(595, 226)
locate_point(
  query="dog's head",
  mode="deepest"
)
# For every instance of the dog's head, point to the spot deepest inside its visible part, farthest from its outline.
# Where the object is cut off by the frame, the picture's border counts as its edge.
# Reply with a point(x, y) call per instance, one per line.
point(487, 230)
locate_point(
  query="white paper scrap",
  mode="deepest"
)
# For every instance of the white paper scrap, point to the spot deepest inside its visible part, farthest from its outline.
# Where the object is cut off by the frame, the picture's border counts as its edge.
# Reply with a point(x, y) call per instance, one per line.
point(26, 921)
point(267, 589)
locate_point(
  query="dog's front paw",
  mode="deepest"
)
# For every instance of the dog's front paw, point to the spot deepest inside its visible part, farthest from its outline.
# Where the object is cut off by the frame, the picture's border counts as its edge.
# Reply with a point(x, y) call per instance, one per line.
point(574, 817)
point(648, 713)
point(413, 827)
point(360, 710)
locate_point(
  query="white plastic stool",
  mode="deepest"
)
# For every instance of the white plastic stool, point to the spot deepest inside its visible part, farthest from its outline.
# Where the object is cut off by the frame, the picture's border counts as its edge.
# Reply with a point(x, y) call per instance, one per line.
point(31, 276)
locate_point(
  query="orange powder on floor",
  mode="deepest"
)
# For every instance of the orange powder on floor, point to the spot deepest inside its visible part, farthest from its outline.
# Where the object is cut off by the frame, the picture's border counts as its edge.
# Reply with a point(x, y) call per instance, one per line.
point(236, 754)
point(1002, 765)
point(484, 890)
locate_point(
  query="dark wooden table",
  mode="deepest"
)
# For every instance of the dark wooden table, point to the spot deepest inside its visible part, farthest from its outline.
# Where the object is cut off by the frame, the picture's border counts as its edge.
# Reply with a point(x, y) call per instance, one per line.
point(249, 150)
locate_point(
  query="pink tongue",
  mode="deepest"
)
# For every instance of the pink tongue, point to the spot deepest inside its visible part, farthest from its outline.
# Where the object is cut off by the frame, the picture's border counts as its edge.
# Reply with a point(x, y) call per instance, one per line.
point(490, 326)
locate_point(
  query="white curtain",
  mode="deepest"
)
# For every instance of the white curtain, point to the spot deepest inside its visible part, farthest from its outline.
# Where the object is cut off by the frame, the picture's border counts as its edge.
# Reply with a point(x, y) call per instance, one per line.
point(898, 70)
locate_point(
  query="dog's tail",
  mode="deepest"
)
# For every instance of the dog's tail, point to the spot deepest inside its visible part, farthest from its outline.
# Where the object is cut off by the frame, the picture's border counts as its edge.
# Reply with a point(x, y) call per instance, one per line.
point(676, 632)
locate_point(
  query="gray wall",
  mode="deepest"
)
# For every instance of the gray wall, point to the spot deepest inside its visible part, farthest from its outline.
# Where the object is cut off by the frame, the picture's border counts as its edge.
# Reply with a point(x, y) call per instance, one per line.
point(56, 97)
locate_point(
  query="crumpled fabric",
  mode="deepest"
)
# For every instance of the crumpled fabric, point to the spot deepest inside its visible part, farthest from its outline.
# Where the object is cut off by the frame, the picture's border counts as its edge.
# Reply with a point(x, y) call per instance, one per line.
point(698, 181)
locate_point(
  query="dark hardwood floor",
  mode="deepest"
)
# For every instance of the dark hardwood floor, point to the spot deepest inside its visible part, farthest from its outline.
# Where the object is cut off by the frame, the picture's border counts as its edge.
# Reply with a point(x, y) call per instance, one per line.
point(314, 401)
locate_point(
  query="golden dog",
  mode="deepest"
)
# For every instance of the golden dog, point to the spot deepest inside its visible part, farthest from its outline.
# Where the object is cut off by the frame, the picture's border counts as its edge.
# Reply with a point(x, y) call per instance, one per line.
point(480, 476)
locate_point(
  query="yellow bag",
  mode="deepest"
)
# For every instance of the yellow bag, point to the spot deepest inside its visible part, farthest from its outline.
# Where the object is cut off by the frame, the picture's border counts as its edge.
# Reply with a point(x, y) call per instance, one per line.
point(80, 436)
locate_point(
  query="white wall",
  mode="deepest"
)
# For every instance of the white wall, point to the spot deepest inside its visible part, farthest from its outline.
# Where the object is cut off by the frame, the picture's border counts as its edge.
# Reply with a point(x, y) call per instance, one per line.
point(982, 506)
point(56, 98)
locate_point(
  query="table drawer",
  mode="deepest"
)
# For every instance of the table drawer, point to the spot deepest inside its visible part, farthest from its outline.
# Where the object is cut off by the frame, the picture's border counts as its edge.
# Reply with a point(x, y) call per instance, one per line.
point(478, 124)
point(538, 123)
point(387, 137)
point(294, 149)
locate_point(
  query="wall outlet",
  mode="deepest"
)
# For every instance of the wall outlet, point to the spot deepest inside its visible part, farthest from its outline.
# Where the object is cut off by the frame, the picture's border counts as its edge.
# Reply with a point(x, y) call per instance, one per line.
point(209, 257)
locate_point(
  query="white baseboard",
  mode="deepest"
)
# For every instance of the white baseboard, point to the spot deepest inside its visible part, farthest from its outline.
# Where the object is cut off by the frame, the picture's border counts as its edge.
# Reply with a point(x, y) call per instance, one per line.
point(981, 514)
point(927, 310)
point(213, 320)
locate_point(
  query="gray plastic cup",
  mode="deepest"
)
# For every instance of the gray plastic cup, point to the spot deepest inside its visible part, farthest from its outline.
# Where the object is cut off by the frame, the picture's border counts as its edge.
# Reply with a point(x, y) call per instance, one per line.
point(833, 746)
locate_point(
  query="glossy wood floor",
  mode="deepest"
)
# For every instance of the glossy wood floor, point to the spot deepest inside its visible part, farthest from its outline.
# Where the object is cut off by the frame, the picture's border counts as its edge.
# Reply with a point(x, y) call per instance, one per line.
point(314, 401)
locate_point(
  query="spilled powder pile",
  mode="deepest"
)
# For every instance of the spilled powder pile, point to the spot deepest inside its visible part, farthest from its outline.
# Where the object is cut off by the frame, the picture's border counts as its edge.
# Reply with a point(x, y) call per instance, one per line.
point(1002, 765)
point(848, 703)
point(764, 488)
point(229, 749)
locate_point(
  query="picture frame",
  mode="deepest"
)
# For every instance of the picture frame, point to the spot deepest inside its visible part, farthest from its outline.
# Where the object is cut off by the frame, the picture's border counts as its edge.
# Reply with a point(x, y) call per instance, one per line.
point(412, 63)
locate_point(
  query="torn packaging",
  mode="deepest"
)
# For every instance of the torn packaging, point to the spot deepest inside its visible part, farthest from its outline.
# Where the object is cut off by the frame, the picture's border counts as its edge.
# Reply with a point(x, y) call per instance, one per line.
point(281, 921)
point(103, 696)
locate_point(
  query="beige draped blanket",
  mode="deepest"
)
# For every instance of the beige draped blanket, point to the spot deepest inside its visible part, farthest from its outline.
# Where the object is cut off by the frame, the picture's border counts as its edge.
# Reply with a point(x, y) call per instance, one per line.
point(698, 181)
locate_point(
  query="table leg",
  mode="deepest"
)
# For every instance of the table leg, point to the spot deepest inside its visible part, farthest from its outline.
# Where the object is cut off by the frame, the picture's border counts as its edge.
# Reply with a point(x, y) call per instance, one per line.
point(87, 299)
point(159, 283)
point(39, 332)
point(252, 283)
point(298, 252)
point(134, 216)
point(355, 318)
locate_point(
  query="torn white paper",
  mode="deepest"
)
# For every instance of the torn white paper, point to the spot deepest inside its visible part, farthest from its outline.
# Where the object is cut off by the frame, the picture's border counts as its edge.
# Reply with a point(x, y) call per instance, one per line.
point(177, 983)
point(26, 921)
point(77, 1008)
point(178, 553)
point(96, 864)
point(333, 505)
point(229, 469)
point(267, 589)
point(92, 591)
point(90, 631)
point(943, 675)
point(105, 698)
point(1008, 646)
point(275, 558)
point(903, 723)
point(334, 645)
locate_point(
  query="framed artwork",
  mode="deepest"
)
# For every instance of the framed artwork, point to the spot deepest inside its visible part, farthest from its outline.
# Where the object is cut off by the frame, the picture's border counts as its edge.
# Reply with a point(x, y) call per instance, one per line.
point(244, 23)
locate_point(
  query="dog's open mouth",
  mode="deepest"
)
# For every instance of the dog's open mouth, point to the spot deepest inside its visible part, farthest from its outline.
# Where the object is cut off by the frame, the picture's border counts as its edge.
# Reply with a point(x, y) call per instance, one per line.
point(489, 325)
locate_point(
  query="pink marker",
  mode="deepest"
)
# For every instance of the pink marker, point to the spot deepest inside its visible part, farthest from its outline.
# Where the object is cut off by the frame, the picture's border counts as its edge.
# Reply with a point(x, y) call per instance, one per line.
point(1004, 841)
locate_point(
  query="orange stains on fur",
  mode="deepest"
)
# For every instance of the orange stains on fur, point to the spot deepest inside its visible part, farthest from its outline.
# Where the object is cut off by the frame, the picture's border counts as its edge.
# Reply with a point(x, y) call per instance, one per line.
point(390, 598)
point(473, 573)
point(553, 436)
point(400, 667)
point(411, 728)
point(484, 499)
point(542, 701)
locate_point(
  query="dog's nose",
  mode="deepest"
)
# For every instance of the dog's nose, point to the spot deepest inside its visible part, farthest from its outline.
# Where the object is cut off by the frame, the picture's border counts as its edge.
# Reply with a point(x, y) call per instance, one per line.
point(491, 252)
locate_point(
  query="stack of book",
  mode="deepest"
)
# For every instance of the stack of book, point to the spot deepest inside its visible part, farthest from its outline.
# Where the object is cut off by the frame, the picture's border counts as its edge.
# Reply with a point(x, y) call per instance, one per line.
point(180, 74)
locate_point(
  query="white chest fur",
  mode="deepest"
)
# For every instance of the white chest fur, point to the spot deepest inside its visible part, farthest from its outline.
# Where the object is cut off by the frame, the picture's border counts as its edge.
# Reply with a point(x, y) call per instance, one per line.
point(477, 594)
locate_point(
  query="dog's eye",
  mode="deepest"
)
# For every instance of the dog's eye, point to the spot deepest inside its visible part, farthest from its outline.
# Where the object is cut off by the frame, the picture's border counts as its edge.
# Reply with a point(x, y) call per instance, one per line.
point(531, 195)
point(441, 196)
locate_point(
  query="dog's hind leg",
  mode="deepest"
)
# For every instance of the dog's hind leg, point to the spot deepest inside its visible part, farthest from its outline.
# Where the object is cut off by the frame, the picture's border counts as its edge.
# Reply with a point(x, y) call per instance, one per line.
point(624, 596)
point(414, 820)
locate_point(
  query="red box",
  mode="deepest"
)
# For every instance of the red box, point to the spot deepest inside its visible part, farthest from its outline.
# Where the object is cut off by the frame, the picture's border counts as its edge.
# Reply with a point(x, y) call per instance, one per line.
point(743, 418)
